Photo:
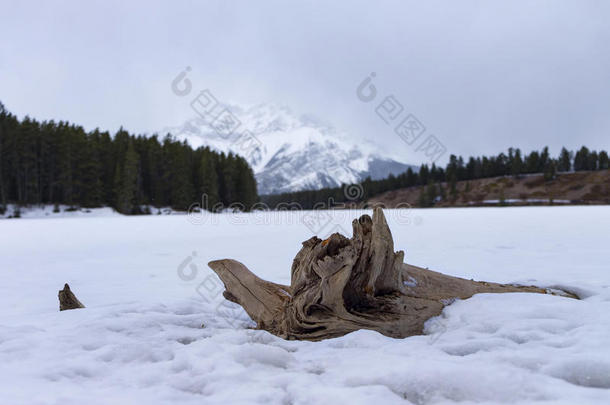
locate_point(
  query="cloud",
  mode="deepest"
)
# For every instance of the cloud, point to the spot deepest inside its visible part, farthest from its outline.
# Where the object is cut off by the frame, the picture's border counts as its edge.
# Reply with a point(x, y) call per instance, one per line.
point(481, 76)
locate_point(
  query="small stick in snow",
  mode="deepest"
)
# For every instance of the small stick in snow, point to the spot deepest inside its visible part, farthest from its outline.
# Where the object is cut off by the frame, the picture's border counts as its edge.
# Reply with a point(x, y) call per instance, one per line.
point(67, 299)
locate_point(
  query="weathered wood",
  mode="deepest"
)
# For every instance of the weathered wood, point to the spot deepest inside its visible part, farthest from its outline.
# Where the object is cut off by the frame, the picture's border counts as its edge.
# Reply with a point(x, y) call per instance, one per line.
point(340, 285)
point(67, 299)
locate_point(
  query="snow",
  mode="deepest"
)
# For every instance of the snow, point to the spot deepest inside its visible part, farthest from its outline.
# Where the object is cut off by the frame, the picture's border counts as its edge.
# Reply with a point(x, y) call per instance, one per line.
point(288, 152)
point(66, 211)
point(526, 200)
point(410, 282)
point(148, 292)
point(61, 211)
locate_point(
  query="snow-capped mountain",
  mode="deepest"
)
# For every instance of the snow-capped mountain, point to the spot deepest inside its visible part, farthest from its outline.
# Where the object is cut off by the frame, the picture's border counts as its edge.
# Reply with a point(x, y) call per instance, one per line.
point(288, 152)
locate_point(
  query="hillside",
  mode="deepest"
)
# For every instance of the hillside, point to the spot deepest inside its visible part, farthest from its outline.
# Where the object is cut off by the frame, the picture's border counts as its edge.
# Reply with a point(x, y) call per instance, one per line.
point(585, 187)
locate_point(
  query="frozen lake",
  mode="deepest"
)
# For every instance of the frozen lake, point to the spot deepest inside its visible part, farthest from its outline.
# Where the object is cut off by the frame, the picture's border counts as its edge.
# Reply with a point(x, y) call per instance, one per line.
point(148, 291)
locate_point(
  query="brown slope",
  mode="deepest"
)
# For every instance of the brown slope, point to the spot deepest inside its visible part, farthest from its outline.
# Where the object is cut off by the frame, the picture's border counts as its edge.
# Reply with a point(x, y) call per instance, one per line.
point(566, 188)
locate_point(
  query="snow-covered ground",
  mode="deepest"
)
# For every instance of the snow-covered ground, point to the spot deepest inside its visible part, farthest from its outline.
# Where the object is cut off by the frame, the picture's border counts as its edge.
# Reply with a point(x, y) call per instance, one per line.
point(51, 211)
point(63, 211)
point(147, 291)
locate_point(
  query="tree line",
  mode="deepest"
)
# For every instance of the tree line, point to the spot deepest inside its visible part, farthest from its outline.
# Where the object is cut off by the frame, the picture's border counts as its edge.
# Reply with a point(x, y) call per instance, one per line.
point(60, 163)
point(512, 163)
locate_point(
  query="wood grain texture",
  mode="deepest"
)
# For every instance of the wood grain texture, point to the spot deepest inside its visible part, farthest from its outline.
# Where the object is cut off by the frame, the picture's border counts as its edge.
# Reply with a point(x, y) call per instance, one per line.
point(340, 285)
point(67, 299)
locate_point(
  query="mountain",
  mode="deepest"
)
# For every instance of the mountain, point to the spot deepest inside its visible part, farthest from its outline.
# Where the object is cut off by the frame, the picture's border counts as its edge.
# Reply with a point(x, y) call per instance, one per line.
point(289, 152)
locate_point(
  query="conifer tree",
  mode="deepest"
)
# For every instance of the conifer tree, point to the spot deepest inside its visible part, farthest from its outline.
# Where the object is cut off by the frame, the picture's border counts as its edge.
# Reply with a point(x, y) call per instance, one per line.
point(125, 181)
point(549, 172)
point(565, 161)
point(592, 161)
point(603, 160)
point(517, 165)
point(209, 180)
point(581, 159)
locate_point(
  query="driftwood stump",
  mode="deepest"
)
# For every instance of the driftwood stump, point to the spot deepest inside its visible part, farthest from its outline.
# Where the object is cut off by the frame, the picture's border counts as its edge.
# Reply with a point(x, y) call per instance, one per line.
point(340, 285)
point(67, 299)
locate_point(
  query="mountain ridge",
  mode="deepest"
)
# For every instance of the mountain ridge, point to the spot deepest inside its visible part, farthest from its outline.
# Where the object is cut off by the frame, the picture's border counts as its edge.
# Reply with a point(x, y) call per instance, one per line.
point(289, 152)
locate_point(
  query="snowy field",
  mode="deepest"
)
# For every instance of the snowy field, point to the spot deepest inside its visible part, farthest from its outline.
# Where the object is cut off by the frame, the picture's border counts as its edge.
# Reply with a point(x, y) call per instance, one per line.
point(148, 292)
point(65, 211)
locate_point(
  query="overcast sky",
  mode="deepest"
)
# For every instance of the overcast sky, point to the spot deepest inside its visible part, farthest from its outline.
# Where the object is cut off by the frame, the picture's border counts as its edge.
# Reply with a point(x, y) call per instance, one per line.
point(480, 75)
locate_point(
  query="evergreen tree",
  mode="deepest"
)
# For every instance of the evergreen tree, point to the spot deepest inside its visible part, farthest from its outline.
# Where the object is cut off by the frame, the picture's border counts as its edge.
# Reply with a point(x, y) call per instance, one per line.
point(581, 159)
point(3, 138)
point(423, 174)
point(517, 166)
point(226, 171)
point(411, 178)
point(592, 161)
point(180, 180)
point(544, 160)
point(126, 180)
point(208, 186)
point(549, 172)
point(532, 163)
point(90, 190)
point(565, 161)
point(245, 184)
point(603, 160)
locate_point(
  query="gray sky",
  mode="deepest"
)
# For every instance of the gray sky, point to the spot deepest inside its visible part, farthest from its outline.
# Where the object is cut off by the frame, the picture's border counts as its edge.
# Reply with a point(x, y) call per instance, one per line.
point(480, 75)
